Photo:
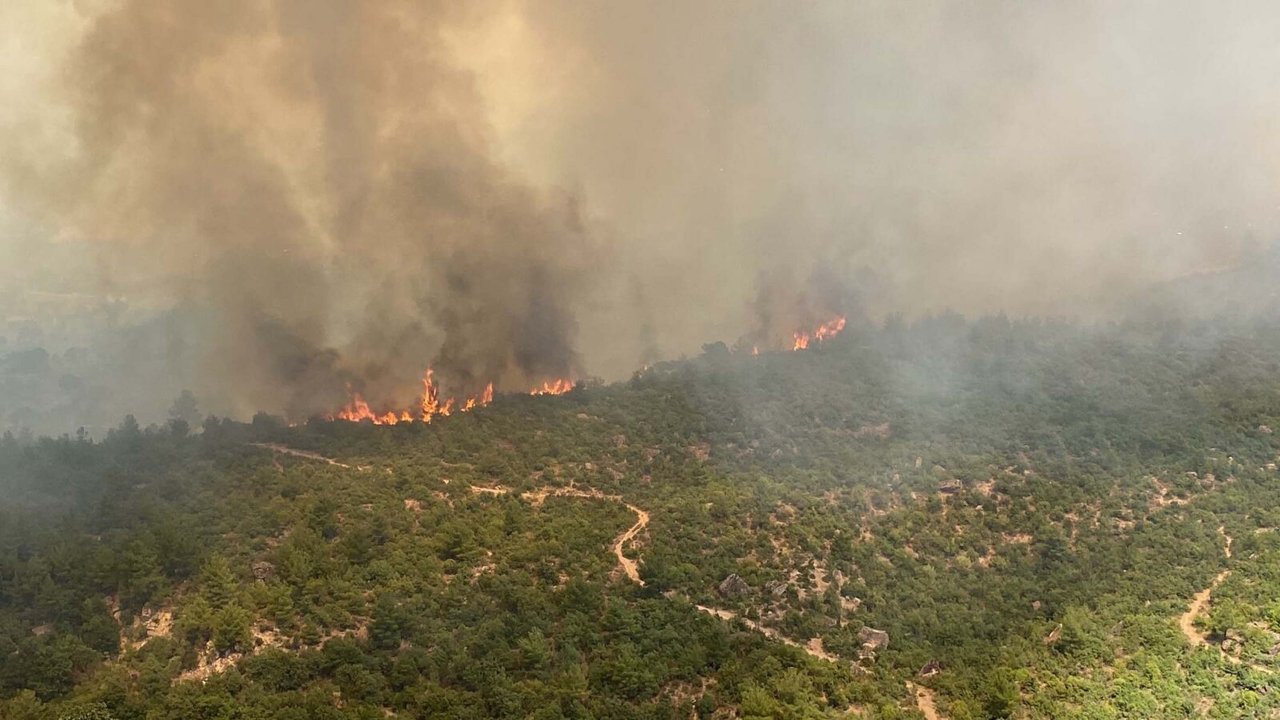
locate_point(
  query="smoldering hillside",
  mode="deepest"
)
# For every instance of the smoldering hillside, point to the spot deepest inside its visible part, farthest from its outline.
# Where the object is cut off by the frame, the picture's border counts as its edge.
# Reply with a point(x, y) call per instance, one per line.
point(269, 201)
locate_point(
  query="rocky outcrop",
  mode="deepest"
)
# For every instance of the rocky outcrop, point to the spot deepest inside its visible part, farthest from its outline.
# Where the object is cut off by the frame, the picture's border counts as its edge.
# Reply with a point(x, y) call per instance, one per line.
point(872, 642)
point(734, 587)
point(263, 571)
point(875, 639)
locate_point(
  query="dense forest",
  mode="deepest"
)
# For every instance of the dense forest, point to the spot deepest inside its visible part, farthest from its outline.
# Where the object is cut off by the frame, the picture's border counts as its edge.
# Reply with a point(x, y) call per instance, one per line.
point(944, 518)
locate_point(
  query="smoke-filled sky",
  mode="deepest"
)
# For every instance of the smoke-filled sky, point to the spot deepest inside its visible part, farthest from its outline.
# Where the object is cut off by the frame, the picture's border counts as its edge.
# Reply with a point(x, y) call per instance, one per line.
point(269, 200)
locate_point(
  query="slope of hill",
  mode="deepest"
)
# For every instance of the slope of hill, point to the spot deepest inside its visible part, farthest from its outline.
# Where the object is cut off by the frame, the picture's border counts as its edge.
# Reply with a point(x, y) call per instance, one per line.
point(1247, 289)
point(962, 519)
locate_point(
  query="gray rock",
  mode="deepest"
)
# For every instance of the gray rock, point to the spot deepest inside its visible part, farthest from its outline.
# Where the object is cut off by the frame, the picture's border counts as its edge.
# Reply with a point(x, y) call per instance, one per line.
point(776, 588)
point(873, 639)
point(263, 570)
point(734, 587)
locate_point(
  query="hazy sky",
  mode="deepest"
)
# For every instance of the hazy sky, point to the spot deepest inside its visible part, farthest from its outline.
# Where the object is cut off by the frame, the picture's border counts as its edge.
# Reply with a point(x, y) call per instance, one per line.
point(338, 189)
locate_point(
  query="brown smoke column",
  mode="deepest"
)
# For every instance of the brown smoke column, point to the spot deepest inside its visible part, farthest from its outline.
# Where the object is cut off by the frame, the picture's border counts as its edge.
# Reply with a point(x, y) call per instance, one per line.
point(319, 176)
point(334, 191)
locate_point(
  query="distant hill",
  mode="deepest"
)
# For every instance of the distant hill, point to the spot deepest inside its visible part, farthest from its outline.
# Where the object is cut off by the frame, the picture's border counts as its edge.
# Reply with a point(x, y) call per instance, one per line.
point(1251, 289)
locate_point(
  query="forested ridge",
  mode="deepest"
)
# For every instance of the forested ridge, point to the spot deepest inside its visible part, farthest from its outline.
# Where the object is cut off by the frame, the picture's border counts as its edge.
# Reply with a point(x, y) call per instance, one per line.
point(982, 519)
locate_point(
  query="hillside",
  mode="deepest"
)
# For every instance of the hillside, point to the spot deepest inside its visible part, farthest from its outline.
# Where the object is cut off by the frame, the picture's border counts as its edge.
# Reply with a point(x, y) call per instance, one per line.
point(962, 519)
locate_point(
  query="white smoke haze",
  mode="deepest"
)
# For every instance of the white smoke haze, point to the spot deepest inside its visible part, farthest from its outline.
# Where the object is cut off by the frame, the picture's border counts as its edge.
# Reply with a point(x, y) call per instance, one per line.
point(269, 200)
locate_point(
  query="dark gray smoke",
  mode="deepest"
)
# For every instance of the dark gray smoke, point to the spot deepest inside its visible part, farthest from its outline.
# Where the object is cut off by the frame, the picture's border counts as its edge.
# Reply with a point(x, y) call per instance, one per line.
point(317, 178)
point(270, 200)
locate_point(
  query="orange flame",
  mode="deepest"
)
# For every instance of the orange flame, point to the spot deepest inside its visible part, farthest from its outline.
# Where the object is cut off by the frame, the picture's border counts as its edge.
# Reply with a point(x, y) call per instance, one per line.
point(431, 405)
point(358, 410)
point(825, 331)
point(559, 386)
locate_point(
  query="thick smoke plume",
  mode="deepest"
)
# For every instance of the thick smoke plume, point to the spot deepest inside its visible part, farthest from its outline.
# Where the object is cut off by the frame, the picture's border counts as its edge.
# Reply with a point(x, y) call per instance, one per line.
point(268, 201)
point(317, 177)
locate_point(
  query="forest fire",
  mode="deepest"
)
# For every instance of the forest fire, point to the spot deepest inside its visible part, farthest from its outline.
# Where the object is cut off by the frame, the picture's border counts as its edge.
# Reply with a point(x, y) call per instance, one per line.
point(825, 331)
point(553, 387)
point(431, 405)
point(358, 410)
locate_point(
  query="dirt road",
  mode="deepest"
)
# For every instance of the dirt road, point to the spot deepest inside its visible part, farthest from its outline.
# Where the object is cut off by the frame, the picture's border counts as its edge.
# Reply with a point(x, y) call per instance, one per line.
point(299, 453)
point(813, 648)
point(925, 702)
point(1201, 599)
point(536, 497)
point(629, 566)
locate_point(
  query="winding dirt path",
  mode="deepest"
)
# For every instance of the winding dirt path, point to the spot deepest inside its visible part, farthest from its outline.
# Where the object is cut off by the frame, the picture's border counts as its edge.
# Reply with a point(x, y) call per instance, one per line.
point(281, 449)
point(1198, 603)
point(925, 701)
point(814, 647)
point(629, 566)
point(1187, 621)
point(536, 497)
point(924, 697)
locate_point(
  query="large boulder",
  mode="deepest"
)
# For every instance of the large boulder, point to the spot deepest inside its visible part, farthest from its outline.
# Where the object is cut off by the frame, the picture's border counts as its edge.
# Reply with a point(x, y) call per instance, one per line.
point(734, 587)
point(931, 668)
point(873, 639)
point(263, 570)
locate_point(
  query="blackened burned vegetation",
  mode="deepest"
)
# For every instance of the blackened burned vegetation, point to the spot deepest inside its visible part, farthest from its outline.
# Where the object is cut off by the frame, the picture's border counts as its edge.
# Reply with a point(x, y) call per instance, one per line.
point(968, 519)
